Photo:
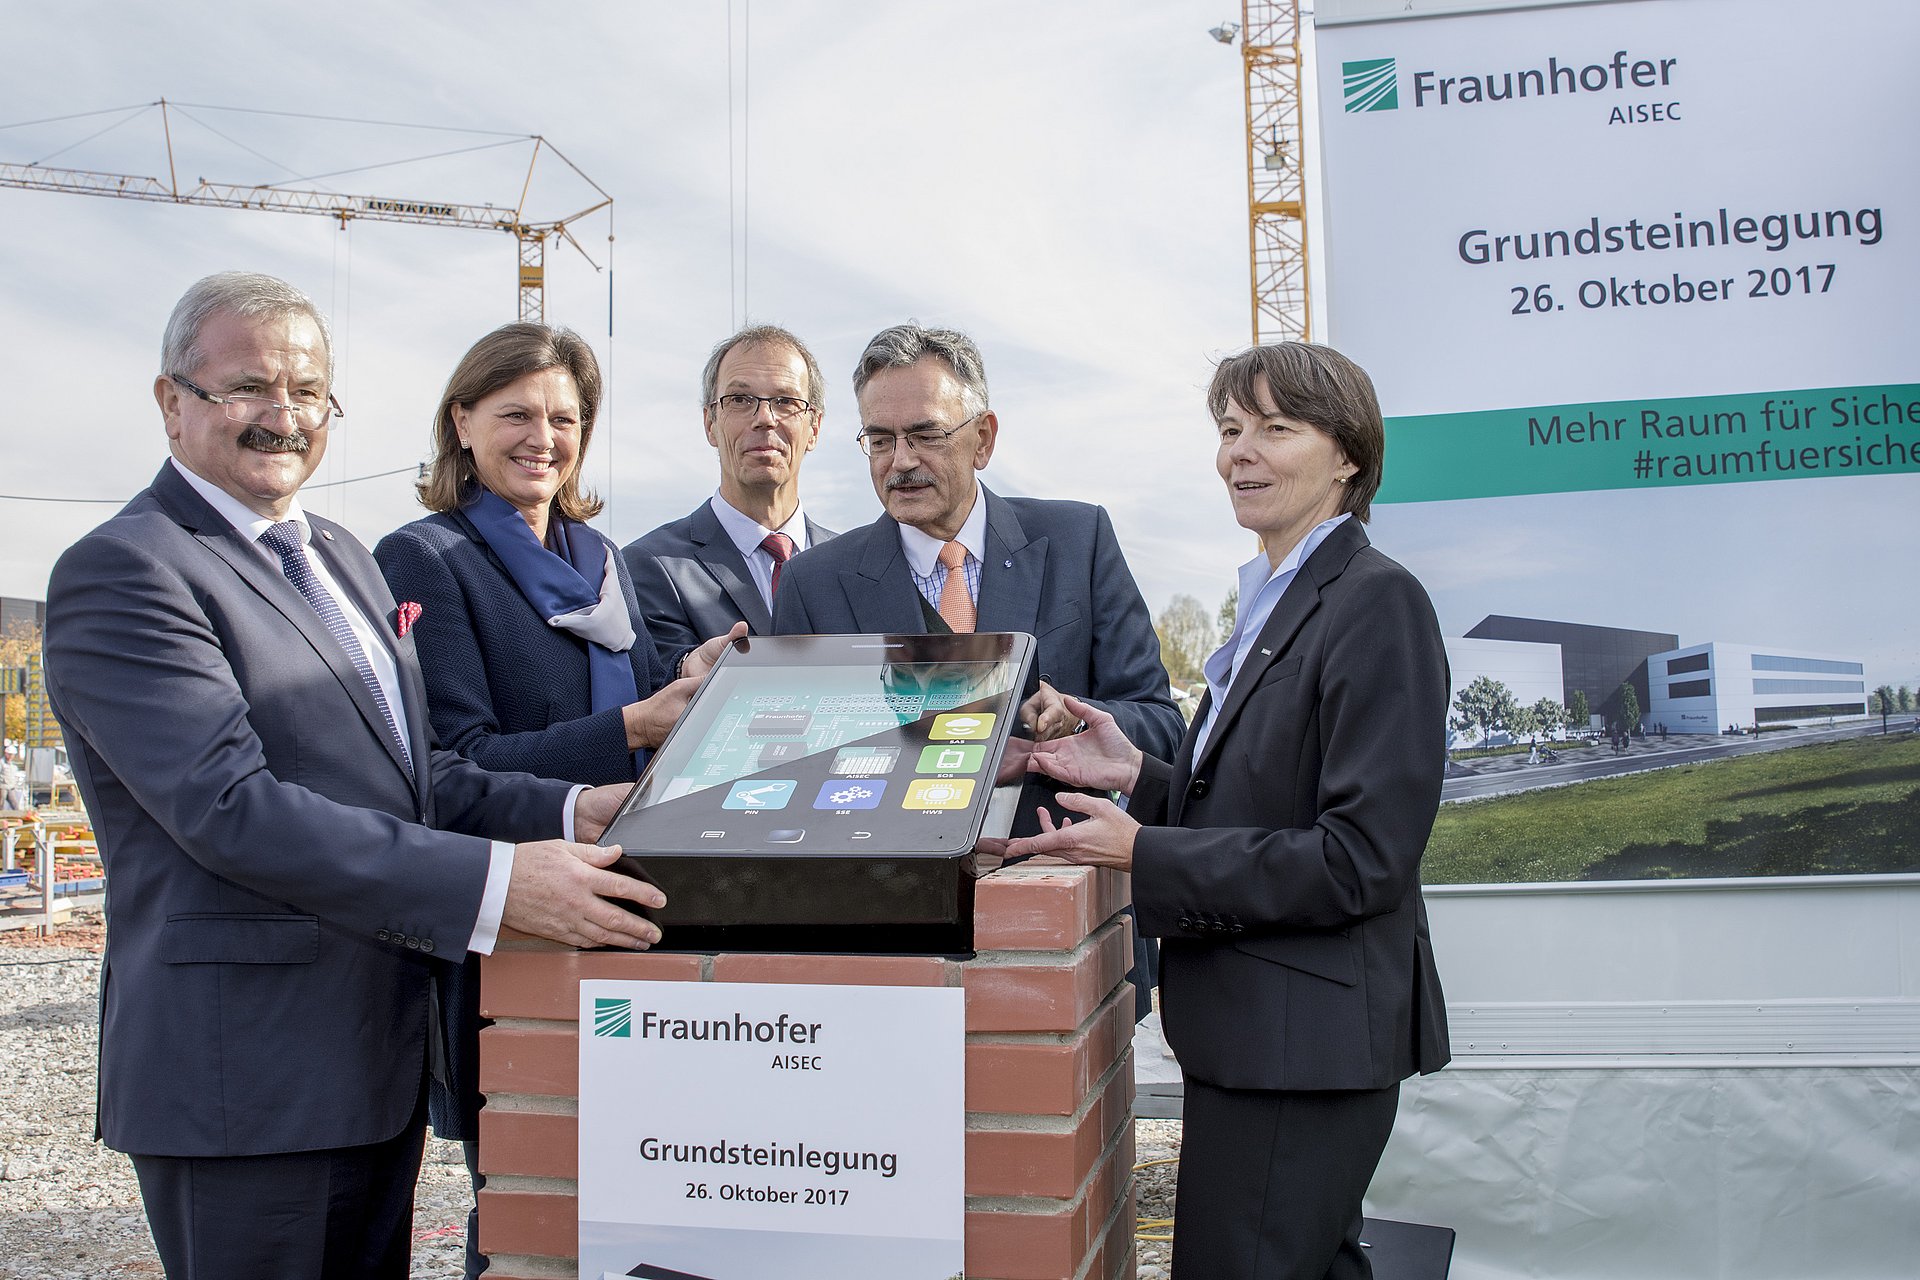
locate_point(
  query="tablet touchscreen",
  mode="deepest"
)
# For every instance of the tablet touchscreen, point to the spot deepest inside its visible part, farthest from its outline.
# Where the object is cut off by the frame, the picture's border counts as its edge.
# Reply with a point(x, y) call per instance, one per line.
point(833, 745)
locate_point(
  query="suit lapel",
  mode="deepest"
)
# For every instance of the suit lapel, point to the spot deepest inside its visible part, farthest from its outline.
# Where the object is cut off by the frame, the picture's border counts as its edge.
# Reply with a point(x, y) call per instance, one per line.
point(1011, 574)
point(724, 561)
point(255, 566)
point(1297, 603)
point(359, 577)
point(879, 590)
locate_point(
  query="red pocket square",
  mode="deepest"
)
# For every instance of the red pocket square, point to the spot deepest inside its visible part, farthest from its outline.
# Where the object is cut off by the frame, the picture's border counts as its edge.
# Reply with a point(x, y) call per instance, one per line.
point(404, 618)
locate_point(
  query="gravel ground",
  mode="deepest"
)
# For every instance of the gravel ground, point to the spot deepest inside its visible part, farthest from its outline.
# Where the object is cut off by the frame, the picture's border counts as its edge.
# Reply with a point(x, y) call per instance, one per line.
point(70, 1207)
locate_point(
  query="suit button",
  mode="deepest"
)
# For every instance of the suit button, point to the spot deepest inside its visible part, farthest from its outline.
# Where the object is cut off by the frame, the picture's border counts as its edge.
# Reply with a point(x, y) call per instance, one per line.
point(426, 944)
point(1197, 789)
point(1185, 922)
point(381, 935)
point(413, 944)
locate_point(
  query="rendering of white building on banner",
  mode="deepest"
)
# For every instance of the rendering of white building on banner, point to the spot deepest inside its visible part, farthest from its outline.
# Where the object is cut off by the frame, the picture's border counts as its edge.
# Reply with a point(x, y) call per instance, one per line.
point(1708, 688)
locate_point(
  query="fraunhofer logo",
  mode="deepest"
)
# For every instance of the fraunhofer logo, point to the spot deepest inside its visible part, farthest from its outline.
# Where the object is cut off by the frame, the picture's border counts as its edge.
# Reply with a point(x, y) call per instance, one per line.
point(1370, 85)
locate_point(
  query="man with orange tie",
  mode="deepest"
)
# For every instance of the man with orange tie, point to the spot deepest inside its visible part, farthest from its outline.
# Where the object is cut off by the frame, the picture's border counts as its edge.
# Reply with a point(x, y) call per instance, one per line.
point(951, 555)
point(762, 398)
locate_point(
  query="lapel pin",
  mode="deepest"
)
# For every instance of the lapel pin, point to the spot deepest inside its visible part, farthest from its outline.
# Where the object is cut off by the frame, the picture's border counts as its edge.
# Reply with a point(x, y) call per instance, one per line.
point(1007, 565)
point(1266, 653)
point(327, 534)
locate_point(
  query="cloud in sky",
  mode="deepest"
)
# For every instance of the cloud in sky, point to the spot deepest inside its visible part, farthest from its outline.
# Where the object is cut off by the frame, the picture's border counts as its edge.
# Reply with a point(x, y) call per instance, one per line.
point(1061, 181)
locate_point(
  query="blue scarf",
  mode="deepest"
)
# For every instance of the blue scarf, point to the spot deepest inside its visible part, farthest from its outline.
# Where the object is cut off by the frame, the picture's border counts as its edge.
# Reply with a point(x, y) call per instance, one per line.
point(560, 584)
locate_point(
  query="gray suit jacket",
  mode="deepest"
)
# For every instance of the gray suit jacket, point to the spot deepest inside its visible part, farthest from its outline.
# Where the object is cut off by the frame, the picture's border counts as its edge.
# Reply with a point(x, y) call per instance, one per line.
point(1052, 569)
point(278, 900)
point(693, 584)
point(1281, 870)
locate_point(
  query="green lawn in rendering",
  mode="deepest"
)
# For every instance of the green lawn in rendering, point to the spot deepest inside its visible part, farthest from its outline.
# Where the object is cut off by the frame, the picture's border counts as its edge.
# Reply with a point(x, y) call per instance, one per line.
point(1832, 808)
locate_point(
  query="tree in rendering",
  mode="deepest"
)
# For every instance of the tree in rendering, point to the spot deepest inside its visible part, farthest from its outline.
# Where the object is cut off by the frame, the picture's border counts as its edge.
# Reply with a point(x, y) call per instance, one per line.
point(1550, 714)
point(1884, 696)
point(1579, 714)
point(1629, 706)
point(1903, 698)
point(1484, 706)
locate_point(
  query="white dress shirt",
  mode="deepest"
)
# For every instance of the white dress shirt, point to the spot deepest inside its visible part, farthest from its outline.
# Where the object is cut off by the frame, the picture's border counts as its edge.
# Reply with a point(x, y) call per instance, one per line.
point(923, 553)
point(747, 534)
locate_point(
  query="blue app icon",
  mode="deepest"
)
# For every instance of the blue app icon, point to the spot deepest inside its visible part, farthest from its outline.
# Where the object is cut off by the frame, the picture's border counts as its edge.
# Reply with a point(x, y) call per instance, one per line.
point(850, 793)
point(760, 793)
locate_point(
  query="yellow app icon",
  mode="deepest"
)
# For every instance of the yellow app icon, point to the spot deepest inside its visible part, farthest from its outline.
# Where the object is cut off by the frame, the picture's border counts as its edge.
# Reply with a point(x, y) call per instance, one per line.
point(938, 793)
point(963, 726)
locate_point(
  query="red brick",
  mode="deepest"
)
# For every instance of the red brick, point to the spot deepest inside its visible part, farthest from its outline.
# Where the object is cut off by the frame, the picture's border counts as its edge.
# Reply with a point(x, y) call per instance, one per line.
point(531, 1222)
point(529, 1060)
point(532, 1143)
point(1026, 1162)
point(1022, 1246)
point(1048, 997)
point(1032, 1077)
point(838, 971)
point(1115, 1257)
point(546, 983)
point(1034, 908)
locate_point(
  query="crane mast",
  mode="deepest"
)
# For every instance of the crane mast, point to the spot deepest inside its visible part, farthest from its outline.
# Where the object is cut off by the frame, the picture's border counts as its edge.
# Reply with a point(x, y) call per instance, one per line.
point(1276, 175)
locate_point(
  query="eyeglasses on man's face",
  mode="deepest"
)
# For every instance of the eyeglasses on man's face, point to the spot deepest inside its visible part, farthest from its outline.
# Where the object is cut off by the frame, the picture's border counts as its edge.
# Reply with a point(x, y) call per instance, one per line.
point(924, 441)
point(738, 404)
point(310, 409)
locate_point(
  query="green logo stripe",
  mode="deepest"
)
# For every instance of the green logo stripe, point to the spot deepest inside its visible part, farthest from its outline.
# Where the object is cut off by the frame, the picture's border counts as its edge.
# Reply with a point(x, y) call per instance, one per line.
point(1657, 443)
point(613, 1017)
point(1370, 85)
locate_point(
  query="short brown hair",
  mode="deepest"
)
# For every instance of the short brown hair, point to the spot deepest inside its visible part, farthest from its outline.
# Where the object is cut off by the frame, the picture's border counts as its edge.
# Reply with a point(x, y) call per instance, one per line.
point(499, 360)
point(1320, 387)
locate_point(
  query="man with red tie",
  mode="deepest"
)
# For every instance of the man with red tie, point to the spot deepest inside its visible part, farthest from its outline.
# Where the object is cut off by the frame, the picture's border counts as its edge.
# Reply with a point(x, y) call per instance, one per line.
point(762, 399)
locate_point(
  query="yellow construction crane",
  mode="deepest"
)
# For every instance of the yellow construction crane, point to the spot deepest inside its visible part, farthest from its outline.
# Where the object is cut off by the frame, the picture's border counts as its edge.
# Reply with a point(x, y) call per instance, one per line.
point(1276, 175)
point(532, 237)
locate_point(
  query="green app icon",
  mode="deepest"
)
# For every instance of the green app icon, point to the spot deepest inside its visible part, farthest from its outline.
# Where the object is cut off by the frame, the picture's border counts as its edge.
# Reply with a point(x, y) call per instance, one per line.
point(954, 757)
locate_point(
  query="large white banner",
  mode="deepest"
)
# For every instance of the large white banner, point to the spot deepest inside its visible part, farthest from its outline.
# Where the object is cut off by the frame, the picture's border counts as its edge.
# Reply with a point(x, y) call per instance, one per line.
point(734, 1130)
point(1639, 286)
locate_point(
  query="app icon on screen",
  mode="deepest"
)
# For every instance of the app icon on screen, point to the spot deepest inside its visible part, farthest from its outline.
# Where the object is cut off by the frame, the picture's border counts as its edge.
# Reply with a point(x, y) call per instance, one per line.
point(865, 761)
point(760, 793)
point(963, 725)
point(850, 793)
point(938, 793)
point(944, 758)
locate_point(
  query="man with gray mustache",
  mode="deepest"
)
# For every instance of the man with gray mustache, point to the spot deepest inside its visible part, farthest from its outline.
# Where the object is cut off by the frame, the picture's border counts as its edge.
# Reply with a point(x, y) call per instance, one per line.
point(951, 555)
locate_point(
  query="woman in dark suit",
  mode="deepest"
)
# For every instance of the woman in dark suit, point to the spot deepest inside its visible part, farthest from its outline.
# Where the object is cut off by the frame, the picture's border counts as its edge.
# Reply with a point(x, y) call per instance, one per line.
point(1277, 856)
point(529, 635)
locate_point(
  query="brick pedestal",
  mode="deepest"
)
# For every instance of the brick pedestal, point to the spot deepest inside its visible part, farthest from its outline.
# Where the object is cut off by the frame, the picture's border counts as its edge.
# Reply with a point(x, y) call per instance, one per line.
point(1049, 1077)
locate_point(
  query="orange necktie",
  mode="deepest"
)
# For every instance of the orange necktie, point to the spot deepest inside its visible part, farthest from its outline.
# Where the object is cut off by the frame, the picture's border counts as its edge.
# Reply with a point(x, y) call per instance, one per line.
point(956, 606)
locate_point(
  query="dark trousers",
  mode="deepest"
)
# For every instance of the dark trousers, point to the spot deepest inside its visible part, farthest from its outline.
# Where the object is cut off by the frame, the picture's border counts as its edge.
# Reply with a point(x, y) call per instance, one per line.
point(476, 1261)
point(340, 1214)
point(1271, 1182)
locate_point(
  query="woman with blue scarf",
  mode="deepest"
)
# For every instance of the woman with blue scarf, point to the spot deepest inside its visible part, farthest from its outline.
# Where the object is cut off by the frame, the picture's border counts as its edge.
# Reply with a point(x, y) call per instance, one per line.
point(535, 655)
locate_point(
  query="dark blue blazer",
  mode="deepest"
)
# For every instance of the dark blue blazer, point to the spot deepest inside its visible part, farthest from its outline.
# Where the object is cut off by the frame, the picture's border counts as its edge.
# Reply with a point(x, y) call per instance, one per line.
point(276, 883)
point(1053, 569)
point(693, 583)
point(508, 691)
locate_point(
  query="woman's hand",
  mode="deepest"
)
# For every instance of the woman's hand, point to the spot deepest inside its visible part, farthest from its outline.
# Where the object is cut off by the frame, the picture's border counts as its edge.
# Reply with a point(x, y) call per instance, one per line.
point(1100, 757)
point(1104, 838)
point(649, 720)
point(700, 661)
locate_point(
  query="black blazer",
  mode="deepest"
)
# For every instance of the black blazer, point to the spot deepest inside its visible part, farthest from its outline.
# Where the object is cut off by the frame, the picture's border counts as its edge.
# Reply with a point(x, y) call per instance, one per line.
point(1283, 876)
point(693, 583)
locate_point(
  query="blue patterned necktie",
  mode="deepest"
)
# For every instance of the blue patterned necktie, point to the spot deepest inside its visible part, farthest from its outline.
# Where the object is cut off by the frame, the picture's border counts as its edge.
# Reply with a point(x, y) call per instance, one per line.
point(284, 540)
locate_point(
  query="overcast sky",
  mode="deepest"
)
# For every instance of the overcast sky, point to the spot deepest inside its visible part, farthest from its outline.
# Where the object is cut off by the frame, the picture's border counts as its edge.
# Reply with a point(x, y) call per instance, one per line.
point(1063, 181)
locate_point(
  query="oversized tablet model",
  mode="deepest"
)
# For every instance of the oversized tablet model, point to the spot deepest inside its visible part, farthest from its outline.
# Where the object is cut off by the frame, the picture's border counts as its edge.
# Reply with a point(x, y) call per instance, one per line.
point(824, 793)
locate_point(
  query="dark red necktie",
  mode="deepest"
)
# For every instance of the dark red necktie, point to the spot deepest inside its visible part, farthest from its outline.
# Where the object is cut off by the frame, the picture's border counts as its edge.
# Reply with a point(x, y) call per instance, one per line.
point(780, 547)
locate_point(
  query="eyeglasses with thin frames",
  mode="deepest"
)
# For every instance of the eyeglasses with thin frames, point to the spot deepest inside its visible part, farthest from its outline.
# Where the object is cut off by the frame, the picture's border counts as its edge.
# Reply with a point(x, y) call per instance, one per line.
point(738, 404)
point(254, 410)
point(922, 440)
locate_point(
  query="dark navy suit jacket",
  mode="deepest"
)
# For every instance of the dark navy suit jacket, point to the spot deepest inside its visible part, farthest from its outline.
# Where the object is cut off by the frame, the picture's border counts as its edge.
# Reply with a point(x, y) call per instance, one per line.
point(508, 692)
point(693, 583)
point(277, 894)
point(1053, 569)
